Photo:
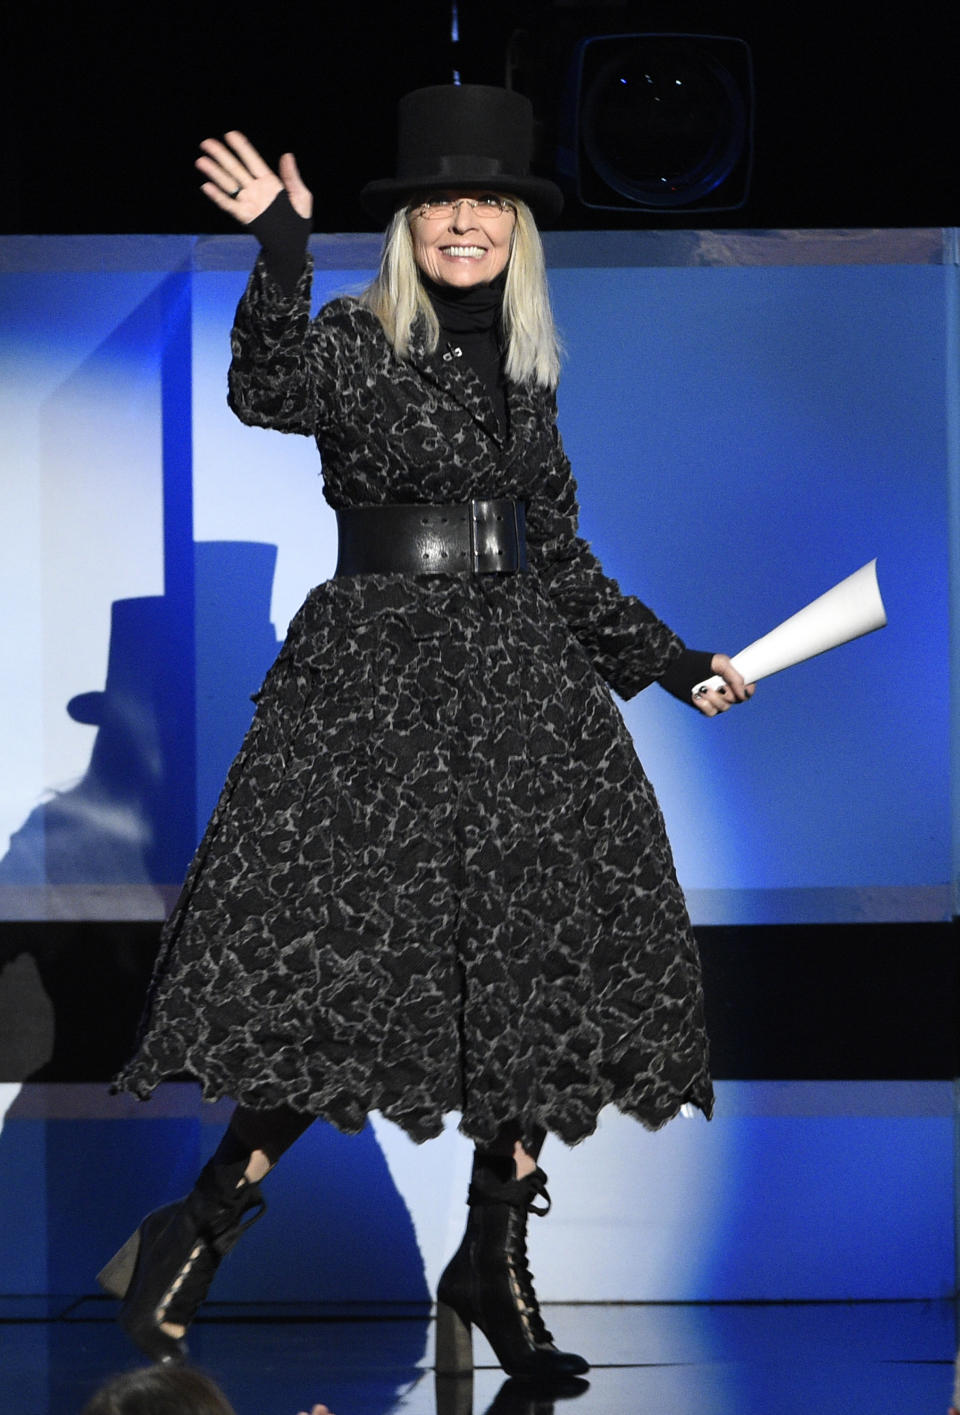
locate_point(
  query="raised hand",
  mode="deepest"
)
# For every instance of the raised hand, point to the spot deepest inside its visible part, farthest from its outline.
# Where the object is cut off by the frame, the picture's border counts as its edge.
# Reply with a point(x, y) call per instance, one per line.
point(241, 183)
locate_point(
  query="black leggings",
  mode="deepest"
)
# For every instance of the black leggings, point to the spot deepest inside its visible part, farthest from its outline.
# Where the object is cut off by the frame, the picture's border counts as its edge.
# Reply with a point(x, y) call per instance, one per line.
point(274, 1131)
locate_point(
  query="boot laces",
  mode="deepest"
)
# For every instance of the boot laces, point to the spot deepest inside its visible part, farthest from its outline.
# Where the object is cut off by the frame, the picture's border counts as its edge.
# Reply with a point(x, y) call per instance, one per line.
point(519, 1196)
point(521, 1285)
point(216, 1237)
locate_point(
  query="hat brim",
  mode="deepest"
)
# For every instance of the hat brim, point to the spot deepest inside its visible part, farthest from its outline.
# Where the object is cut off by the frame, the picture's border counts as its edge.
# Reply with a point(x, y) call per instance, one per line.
point(382, 197)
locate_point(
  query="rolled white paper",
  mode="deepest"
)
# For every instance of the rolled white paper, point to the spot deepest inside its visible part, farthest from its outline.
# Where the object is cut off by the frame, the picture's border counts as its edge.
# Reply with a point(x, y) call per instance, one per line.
point(846, 612)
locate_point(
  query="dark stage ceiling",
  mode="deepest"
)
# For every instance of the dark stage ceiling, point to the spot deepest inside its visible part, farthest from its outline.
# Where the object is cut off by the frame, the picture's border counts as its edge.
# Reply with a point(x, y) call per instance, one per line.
point(855, 109)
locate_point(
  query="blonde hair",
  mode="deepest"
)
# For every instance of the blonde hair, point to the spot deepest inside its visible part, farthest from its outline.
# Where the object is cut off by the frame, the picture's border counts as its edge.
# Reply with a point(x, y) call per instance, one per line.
point(398, 299)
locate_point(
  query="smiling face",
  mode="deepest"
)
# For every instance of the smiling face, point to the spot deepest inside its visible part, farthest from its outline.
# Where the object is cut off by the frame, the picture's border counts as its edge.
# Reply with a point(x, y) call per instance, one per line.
point(468, 247)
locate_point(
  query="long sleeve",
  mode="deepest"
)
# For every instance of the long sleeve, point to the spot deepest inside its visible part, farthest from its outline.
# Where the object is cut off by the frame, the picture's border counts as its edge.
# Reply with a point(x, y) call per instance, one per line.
point(626, 642)
point(683, 675)
point(274, 378)
point(283, 237)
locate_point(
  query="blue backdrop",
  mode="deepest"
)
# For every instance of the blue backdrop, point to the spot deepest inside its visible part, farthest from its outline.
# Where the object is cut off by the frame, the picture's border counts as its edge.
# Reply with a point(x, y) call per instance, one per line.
point(744, 434)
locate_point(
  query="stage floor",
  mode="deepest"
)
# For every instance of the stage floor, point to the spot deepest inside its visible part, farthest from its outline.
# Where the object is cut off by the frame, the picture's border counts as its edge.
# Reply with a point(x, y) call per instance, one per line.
point(883, 1358)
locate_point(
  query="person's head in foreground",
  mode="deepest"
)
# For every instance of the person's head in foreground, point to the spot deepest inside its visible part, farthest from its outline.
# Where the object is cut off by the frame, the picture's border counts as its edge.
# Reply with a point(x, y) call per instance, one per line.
point(165, 1390)
point(159, 1390)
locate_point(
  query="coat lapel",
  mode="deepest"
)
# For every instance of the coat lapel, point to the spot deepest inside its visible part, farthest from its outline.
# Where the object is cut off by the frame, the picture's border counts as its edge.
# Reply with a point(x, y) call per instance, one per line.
point(457, 380)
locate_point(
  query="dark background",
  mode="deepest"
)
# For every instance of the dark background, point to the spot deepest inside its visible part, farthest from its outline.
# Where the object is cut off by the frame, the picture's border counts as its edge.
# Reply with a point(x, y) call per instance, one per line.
point(103, 105)
point(784, 1002)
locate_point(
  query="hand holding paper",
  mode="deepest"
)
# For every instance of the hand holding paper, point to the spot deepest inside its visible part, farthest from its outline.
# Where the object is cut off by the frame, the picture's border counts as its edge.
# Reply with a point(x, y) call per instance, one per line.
point(850, 609)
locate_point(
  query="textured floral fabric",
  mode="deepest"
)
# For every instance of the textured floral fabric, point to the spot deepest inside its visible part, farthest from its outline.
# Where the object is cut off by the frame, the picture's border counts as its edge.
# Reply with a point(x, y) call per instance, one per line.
point(437, 878)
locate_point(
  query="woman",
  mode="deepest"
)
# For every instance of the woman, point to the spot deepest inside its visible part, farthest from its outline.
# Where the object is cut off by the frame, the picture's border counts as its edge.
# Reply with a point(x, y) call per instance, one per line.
point(437, 878)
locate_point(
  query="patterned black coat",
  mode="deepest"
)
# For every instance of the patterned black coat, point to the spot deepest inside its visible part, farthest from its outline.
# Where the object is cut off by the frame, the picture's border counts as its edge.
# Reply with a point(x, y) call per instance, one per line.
point(437, 878)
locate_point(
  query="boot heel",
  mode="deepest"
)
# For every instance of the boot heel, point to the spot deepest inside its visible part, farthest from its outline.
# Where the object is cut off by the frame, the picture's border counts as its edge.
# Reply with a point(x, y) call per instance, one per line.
point(454, 1394)
point(454, 1346)
point(115, 1276)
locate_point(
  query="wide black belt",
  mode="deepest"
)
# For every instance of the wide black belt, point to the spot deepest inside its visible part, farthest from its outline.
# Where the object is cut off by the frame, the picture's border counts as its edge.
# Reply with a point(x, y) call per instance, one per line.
point(473, 537)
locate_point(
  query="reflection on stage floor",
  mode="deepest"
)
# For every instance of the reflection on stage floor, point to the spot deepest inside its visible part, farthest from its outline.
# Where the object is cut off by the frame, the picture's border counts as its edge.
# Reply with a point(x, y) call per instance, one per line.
point(873, 1358)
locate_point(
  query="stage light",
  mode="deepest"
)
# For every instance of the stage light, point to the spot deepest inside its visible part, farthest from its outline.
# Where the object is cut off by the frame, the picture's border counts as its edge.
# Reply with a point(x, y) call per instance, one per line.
point(658, 122)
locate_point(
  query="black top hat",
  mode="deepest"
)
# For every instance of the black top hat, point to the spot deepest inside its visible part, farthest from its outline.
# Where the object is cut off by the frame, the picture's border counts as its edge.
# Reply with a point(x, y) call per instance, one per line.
point(463, 135)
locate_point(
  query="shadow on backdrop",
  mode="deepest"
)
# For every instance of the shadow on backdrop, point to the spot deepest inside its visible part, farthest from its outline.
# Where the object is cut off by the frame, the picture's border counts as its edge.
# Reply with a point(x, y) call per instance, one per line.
point(341, 1230)
point(168, 719)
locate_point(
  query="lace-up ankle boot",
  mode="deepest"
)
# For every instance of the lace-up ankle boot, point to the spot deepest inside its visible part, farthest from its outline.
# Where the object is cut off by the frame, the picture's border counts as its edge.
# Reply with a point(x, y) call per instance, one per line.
point(488, 1282)
point(165, 1268)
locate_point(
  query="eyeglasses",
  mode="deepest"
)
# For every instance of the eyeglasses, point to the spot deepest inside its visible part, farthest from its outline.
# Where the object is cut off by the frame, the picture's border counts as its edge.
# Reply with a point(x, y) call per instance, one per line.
point(489, 207)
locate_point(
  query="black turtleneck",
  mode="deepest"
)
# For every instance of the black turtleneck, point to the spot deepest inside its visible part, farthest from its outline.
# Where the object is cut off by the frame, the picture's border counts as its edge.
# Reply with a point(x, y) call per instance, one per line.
point(470, 322)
